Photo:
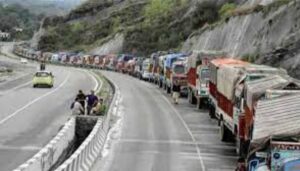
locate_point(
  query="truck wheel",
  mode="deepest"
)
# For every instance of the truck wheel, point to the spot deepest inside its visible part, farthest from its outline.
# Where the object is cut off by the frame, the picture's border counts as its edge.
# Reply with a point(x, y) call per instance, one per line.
point(199, 103)
point(212, 112)
point(224, 132)
point(239, 147)
point(168, 90)
point(192, 99)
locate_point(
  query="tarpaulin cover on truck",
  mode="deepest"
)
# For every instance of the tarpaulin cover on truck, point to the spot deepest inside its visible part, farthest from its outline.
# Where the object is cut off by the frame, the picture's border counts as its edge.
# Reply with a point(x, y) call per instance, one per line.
point(199, 55)
point(276, 117)
point(216, 63)
point(171, 58)
point(257, 88)
point(227, 78)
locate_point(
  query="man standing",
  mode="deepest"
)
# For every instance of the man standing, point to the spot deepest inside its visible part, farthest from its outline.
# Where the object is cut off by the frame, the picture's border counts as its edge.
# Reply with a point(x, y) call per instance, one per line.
point(81, 98)
point(92, 100)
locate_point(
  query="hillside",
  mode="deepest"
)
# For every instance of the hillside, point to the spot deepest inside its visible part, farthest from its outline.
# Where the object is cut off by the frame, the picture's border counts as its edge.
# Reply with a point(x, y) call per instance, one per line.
point(262, 31)
point(145, 25)
point(15, 16)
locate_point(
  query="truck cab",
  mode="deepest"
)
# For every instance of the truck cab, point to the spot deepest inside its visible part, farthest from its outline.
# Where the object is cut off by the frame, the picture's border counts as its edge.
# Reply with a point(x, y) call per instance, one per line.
point(179, 74)
point(168, 69)
point(276, 154)
point(146, 70)
point(202, 85)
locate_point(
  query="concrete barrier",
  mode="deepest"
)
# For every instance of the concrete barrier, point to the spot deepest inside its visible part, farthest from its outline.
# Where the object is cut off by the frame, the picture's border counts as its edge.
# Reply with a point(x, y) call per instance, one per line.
point(89, 151)
point(51, 153)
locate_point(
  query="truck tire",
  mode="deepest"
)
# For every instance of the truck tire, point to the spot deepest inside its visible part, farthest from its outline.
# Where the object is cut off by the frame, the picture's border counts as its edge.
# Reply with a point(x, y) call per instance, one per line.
point(160, 84)
point(191, 98)
point(199, 103)
point(239, 147)
point(212, 112)
point(168, 90)
point(224, 132)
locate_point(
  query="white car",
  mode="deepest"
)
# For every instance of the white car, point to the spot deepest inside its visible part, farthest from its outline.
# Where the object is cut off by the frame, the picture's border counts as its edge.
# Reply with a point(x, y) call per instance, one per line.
point(24, 61)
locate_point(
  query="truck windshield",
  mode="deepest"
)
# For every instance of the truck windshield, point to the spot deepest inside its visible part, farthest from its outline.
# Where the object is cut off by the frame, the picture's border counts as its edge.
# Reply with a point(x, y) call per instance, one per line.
point(179, 69)
point(254, 77)
point(205, 74)
point(145, 66)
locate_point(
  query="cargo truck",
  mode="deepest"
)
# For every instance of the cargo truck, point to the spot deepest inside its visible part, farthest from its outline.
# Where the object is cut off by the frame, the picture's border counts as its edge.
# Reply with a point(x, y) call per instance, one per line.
point(247, 95)
point(160, 73)
point(198, 76)
point(174, 69)
point(122, 60)
point(214, 66)
point(237, 96)
point(275, 143)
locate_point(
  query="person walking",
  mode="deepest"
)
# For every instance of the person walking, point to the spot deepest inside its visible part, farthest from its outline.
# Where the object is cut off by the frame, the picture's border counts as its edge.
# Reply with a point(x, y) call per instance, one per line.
point(77, 108)
point(92, 100)
point(176, 92)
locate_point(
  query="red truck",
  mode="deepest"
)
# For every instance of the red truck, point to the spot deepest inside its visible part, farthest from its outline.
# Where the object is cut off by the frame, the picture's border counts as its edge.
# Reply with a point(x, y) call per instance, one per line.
point(198, 76)
point(238, 87)
point(214, 96)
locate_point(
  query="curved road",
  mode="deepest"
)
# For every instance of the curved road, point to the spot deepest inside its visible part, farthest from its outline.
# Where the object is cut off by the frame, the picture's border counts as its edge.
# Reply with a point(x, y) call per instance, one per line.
point(159, 136)
point(31, 117)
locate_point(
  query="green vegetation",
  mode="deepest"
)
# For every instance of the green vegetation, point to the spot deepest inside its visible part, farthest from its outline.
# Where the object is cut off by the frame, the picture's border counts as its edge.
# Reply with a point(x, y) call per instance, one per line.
point(15, 16)
point(227, 9)
point(148, 25)
point(106, 93)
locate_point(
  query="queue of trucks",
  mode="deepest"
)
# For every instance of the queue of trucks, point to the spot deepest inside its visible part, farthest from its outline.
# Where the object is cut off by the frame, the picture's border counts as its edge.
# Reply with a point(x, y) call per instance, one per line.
point(256, 106)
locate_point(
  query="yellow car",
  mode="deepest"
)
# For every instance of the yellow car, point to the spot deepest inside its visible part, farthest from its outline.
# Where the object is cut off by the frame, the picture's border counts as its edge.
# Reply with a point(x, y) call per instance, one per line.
point(43, 78)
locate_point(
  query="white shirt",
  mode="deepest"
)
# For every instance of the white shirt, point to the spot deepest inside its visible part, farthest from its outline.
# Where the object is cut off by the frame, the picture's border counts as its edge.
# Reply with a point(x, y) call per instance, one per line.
point(77, 109)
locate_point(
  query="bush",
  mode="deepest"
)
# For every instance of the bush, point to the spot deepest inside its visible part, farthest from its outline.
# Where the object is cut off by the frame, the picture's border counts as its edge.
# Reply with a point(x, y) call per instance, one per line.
point(227, 9)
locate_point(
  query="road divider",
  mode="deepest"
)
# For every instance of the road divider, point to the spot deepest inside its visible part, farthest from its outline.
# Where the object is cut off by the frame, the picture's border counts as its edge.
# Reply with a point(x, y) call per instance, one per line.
point(52, 153)
point(89, 151)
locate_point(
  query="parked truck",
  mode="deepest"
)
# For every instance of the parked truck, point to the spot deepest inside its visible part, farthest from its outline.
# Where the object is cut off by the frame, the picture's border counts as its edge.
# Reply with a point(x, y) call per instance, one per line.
point(214, 66)
point(242, 86)
point(275, 144)
point(198, 76)
point(122, 60)
point(146, 68)
point(174, 70)
point(160, 71)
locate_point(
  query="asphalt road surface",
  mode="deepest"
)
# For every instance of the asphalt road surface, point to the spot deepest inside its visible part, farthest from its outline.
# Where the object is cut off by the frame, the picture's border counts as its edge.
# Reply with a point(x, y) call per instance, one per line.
point(159, 136)
point(31, 117)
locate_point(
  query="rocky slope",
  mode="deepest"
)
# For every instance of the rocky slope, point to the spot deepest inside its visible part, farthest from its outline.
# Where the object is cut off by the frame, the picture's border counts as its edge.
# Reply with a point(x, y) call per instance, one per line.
point(262, 31)
point(145, 25)
point(269, 35)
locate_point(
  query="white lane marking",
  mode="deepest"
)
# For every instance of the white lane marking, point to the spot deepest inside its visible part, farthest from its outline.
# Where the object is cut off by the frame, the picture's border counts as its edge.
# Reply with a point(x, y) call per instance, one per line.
point(188, 130)
point(191, 155)
point(97, 88)
point(92, 75)
point(178, 142)
point(34, 101)
point(23, 148)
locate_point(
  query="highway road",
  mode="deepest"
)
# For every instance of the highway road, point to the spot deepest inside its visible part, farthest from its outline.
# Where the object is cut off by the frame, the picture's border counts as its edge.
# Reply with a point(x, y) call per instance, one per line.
point(159, 136)
point(31, 117)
